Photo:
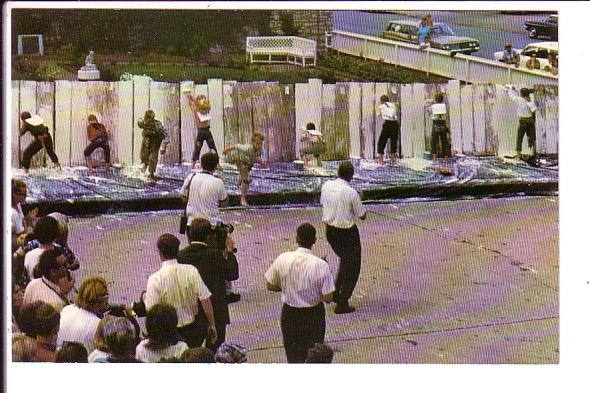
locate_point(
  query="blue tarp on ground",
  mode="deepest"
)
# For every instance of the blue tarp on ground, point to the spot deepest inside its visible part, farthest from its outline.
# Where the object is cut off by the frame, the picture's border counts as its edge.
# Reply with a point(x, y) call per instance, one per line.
point(75, 191)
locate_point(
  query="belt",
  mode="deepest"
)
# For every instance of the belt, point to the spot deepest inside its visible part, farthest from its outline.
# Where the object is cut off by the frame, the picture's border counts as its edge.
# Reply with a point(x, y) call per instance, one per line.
point(525, 118)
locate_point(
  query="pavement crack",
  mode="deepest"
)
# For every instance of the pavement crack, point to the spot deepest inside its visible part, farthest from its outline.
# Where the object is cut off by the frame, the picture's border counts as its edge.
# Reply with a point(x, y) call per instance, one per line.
point(423, 332)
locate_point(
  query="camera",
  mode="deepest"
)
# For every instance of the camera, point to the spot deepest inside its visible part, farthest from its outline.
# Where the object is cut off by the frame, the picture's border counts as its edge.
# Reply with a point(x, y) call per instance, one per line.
point(219, 234)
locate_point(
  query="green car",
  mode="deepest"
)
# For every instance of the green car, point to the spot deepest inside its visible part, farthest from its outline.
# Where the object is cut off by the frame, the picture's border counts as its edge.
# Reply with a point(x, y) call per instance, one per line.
point(441, 36)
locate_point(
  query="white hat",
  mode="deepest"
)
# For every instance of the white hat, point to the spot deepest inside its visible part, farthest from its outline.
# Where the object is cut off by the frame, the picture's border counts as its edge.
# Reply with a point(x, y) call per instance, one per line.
point(35, 120)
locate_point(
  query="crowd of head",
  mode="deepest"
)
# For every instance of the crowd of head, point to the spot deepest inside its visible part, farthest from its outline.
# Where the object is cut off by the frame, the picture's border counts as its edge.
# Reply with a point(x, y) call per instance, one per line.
point(57, 319)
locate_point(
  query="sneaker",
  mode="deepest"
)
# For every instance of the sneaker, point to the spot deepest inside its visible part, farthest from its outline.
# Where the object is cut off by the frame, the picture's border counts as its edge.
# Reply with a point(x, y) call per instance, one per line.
point(233, 297)
point(343, 309)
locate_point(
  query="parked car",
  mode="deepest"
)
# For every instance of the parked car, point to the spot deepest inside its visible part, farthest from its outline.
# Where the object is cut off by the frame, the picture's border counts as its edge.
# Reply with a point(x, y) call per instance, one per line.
point(441, 36)
point(547, 28)
point(541, 49)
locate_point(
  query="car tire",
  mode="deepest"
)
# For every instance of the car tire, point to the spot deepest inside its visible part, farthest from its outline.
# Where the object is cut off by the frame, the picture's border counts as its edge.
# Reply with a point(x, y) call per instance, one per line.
point(533, 32)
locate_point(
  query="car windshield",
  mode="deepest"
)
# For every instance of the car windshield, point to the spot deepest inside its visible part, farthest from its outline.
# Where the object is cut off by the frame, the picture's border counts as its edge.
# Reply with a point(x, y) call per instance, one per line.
point(552, 19)
point(442, 30)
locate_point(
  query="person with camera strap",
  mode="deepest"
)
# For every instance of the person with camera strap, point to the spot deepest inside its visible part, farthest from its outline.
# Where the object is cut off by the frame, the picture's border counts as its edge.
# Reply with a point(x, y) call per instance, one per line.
point(216, 264)
point(204, 193)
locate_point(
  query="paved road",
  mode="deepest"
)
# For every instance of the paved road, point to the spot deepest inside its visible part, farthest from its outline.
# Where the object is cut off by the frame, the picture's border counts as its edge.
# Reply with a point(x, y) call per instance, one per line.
point(472, 281)
point(490, 28)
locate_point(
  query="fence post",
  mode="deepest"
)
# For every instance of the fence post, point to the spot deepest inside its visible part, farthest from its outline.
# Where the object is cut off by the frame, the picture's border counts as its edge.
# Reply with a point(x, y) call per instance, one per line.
point(365, 49)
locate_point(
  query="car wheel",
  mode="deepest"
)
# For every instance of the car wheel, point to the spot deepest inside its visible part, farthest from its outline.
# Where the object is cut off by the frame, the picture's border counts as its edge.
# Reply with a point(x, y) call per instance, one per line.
point(533, 33)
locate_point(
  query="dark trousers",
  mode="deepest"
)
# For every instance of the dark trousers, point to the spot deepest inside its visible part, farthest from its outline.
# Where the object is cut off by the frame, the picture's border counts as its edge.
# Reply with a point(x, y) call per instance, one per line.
point(526, 125)
point(346, 243)
point(203, 134)
point(390, 130)
point(34, 148)
point(201, 337)
point(192, 334)
point(439, 133)
point(302, 328)
point(149, 153)
point(95, 144)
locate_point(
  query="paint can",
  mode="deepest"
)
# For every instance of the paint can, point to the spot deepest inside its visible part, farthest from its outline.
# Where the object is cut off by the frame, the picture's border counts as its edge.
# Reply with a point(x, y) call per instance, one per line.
point(298, 165)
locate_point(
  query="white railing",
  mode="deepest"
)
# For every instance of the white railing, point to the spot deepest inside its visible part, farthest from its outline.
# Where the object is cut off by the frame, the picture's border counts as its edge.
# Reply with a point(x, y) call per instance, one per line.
point(462, 67)
point(285, 49)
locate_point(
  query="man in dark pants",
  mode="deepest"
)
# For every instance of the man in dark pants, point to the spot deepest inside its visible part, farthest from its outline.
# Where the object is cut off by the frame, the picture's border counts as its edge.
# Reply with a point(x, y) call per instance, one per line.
point(305, 282)
point(34, 125)
point(341, 205)
point(215, 267)
point(99, 138)
point(526, 111)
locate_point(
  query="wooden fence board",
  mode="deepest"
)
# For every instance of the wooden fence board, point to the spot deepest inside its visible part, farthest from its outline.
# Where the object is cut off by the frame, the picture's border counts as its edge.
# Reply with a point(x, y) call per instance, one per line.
point(187, 122)
point(259, 114)
point(287, 122)
point(552, 121)
point(354, 119)
point(406, 120)
point(245, 111)
point(341, 122)
point(125, 123)
point(141, 103)
point(230, 115)
point(302, 112)
point(479, 125)
point(504, 122)
point(454, 100)
point(418, 134)
point(368, 120)
point(63, 121)
point(467, 118)
point(315, 100)
point(328, 117)
point(491, 136)
point(215, 88)
point(79, 121)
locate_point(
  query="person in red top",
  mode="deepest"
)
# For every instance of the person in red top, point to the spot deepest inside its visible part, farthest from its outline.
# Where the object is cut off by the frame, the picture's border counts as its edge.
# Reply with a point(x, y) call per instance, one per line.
point(98, 137)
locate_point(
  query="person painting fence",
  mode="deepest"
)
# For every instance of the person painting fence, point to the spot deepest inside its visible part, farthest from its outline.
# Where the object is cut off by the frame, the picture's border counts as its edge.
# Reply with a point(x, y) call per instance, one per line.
point(245, 156)
point(34, 125)
point(316, 146)
point(154, 136)
point(201, 108)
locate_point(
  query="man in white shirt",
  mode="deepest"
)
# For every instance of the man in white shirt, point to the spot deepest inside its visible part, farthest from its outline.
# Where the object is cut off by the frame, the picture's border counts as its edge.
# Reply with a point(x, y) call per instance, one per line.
point(341, 205)
point(203, 192)
point(180, 286)
point(305, 283)
point(79, 321)
point(390, 129)
point(438, 111)
point(526, 110)
point(54, 283)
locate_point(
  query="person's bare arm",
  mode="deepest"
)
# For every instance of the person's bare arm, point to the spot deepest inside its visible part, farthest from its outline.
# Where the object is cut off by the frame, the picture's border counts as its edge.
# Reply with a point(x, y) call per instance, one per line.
point(228, 149)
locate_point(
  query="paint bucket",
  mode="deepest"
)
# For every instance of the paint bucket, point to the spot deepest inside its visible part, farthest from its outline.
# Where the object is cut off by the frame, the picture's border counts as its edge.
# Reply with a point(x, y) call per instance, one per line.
point(427, 156)
point(298, 165)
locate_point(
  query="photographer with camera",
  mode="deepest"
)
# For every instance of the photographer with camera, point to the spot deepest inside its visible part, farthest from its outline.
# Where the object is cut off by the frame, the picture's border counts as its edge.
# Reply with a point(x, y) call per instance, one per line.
point(216, 264)
point(204, 193)
point(182, 287)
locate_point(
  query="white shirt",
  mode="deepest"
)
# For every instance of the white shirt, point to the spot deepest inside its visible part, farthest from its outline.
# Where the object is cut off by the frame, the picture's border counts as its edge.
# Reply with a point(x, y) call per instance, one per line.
point(31, 260)
point(388, 111)
point(524, 108)
point(178, 285)
point(341, 204)
point(78, 325)
point(41, 289)
point(148, 355)
point(439, 111)
point(18, 219)
point(302, 277)
point(205, 194)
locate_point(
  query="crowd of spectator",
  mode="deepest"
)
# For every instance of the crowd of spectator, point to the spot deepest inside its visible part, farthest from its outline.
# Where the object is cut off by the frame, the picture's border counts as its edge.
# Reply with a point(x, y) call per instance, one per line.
point(57, 319)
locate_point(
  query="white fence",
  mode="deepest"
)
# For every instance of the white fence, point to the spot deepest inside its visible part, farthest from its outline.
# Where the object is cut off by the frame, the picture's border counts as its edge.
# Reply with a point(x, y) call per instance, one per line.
point(482, 117)
point(288, 49)
point(461, 67)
